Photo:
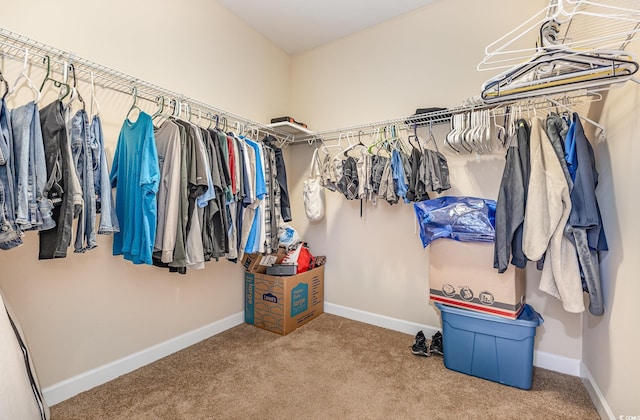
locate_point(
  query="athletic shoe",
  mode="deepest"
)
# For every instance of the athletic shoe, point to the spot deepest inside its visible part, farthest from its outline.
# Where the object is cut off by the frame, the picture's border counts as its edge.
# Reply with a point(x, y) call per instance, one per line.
point(419, 346)
point(436, 344)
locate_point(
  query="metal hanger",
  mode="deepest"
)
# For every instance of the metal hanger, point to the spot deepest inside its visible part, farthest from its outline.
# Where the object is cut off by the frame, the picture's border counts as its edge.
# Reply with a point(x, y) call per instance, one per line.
point(560, 104)
point(58, 84)
point(160, 114)
point(75, 93)
point(134, 105)
point(558, 70)
point(431, 137)
point(602, 16)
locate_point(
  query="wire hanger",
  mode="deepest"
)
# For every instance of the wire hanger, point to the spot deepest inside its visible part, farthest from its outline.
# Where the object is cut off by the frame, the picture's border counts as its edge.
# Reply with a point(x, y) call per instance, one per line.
point(561, 105)
point(326, 148)
point(58, 84)
point(431, 137)
point(23, 75)
point(75, 93)
point(353, 146)
point(134, 105)
point(187, 111)
point(173, 104)
point(94, 99)
point(159, 114)
point(414, 136)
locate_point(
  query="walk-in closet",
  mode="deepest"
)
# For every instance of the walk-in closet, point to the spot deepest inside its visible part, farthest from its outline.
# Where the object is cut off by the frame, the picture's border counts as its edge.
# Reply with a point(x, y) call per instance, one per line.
point(145, 160)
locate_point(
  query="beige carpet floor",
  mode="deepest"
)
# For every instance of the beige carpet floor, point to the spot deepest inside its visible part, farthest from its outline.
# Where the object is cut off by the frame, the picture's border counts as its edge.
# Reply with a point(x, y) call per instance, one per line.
point(331, 368)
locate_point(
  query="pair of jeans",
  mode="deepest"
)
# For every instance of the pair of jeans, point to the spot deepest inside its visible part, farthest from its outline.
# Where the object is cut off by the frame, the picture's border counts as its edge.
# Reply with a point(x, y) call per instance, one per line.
point(83, 164)
point(54, 242)
point(33, 209)
point(10, 235)
point(102, 184)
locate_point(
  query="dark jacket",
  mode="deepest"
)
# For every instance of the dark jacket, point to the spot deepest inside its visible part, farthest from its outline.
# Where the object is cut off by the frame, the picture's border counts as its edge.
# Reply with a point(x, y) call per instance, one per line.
point(584, 226)
point(512, 199)
point(585, 212)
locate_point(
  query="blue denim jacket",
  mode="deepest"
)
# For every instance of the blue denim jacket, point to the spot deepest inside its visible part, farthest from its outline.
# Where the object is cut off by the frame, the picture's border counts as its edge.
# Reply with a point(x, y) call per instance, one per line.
point(10, 234)
point(102, 184)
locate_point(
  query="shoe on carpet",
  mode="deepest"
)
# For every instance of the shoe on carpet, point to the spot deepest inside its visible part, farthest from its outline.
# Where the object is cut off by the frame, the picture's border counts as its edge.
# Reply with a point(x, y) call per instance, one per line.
point(419, 346)
point(436, 344)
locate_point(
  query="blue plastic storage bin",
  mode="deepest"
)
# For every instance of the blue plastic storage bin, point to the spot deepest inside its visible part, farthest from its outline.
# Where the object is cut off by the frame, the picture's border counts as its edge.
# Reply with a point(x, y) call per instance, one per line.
point(488, 346)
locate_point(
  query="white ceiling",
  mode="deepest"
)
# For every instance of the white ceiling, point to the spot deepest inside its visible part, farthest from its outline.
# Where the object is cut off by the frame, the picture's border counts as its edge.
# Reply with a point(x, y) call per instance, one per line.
point(300, 25)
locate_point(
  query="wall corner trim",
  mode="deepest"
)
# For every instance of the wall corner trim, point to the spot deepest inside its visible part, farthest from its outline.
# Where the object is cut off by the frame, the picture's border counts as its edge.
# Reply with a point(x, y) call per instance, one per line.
point(596, 395)
point(66, 389)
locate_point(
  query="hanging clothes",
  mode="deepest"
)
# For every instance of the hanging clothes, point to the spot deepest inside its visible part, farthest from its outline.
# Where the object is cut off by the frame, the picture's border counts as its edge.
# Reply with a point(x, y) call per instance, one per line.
point(179, 263)
point(412, 177)
point(215, 232)
point(556, 129)
point(197, 184)
point(167, 138)
point(512, 201)
point(10, 233)
point(349, 182)
point(33, 211)
point(135, 173)
point(83, 165)
point(386, 190)
point(281, 176)
point(400, 181)
point(257, 235)
point(363, 162)
point(63, 188)
point(546, 214)
point(584, 226)
point(105, 205)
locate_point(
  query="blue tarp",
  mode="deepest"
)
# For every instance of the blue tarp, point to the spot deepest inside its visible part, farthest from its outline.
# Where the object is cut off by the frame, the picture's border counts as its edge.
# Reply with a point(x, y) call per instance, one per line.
point(467, 219)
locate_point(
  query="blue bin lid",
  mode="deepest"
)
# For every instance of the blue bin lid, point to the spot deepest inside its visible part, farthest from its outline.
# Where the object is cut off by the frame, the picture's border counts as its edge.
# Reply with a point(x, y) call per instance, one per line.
point(528, 316)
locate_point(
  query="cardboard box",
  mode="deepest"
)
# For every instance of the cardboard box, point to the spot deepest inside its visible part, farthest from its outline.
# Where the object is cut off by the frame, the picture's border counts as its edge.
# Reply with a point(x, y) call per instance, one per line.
point(461, 274)
point(258, 263)
point(282, 304)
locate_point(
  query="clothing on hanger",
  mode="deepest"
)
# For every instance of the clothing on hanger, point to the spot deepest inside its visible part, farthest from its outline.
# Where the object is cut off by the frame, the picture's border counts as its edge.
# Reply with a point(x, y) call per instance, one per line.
point(136, 190)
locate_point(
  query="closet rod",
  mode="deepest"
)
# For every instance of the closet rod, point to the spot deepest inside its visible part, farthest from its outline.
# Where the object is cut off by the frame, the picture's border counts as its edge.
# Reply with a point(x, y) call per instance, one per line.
point(535, 101)
point(14, 45)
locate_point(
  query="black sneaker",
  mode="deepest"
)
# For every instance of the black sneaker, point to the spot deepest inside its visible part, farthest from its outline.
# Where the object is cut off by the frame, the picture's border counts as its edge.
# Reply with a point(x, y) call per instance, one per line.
point(419, 346)
point(436, 344)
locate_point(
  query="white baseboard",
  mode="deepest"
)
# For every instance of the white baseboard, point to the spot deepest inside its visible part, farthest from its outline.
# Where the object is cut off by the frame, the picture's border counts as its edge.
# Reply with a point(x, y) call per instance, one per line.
point(596, 395)
point(540, 359)
point(556, 363)
point(68, 388)
point(383, 321)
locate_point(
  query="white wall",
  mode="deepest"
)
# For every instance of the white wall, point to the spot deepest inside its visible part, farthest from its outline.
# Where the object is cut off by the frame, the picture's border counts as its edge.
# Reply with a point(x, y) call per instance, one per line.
point(91, 309)
point(422, 59)
point(611, 342)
